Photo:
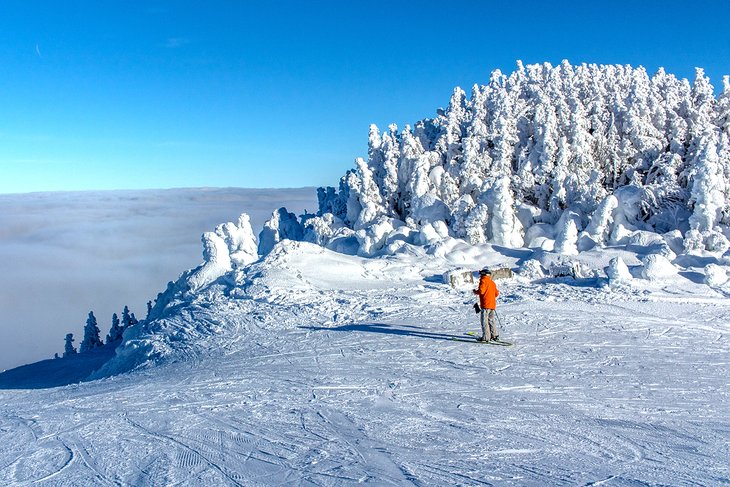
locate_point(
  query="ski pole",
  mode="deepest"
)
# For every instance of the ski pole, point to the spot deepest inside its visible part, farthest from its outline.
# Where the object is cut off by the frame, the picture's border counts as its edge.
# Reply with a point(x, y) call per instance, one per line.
point(501, 326)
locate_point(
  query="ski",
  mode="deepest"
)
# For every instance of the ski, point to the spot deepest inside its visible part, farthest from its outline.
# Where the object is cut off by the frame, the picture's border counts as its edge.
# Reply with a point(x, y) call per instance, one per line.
point(490, 342)
point(500, 343)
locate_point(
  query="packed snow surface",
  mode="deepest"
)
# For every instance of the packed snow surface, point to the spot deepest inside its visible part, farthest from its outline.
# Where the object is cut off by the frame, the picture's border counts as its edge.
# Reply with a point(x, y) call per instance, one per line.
point(316, 368)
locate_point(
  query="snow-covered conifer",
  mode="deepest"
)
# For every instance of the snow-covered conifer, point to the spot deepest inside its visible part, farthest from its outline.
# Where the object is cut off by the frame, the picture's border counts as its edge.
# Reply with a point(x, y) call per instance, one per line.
point(116, 331)
point(617, 271)
point(504, 226)
point(503, 127)
point(390, 172)
point(126, 318)
point(450, 143)
point(476, 224)
point(369, 196)
point(69, 348)
point(459, 215)
point(567, 238)
point(599, 227)
point(91, 335)
point(708, 186)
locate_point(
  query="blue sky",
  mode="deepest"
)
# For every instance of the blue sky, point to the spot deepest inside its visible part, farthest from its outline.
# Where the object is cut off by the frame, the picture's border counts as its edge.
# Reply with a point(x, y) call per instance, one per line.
point(120, 95)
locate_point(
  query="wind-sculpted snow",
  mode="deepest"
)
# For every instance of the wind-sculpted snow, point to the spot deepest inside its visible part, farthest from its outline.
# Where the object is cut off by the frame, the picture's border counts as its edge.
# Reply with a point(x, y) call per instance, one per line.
point(311, 367)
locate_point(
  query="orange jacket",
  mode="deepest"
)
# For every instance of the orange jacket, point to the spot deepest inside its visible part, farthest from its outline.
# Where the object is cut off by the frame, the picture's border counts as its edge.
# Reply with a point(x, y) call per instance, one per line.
point(487, 292)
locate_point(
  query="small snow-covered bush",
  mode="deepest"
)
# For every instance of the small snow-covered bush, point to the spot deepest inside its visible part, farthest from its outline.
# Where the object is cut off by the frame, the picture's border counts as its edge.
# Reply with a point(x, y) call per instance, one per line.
point(644, 238)
point(538, 233)
point(657, 267)
point(715, 241)
point(373, 237)
point(427, 235)
point(617, 270)
point(620, 234)
point(715, 275)
point(564, 269)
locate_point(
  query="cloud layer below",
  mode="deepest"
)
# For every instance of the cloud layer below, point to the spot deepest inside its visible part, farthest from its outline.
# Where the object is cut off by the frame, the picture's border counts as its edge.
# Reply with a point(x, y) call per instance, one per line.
point(64, 254)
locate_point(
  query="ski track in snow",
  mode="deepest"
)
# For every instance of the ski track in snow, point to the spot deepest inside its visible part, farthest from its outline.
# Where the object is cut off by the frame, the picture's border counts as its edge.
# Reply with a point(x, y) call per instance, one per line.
point(341, 386)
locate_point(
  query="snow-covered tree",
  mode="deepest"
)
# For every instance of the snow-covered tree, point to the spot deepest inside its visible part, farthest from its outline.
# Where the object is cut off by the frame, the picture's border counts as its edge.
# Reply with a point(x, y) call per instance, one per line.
point(476, 224)
point(91, 335)
point(567, 238)
point(69, 348)
point(388, 177)
point(504, 226)
point(128, 318)
point(116, 331)
point(282, 225)
point(708, 186)
point(240, 239)
point(565, 137)
point(369, 196)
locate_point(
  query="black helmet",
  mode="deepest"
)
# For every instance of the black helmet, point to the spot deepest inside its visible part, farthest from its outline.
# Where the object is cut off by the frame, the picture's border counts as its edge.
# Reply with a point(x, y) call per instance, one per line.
point(485, 272)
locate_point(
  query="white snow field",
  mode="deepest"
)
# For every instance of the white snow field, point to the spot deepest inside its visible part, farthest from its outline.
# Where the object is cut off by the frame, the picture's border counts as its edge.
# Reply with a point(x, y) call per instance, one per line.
point(316, 368)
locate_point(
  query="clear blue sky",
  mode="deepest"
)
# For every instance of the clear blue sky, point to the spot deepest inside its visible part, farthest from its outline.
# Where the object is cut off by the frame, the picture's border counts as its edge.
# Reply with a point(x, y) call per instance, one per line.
point(125, 94)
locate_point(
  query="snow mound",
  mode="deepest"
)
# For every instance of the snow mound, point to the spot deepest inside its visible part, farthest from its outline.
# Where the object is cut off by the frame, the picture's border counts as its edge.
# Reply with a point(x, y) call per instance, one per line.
point(532, 270)
point(618, 271)
point(657, 267)
point(715, 275)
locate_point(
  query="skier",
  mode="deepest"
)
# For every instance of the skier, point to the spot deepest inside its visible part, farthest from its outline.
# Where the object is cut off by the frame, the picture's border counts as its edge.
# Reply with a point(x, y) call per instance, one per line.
point(487, 293)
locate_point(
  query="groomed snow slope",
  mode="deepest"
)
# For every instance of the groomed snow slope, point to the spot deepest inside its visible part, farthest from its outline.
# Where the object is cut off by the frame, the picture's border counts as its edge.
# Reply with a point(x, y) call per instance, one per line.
point(315, 368)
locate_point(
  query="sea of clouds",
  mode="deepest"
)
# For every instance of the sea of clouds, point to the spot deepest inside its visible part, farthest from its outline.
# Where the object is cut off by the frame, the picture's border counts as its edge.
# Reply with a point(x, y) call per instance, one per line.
point(63, 254)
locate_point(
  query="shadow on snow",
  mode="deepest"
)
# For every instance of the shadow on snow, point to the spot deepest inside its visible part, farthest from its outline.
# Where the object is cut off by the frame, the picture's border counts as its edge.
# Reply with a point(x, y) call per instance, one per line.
point(400, 330)
point(57, 372)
